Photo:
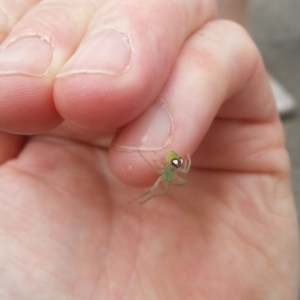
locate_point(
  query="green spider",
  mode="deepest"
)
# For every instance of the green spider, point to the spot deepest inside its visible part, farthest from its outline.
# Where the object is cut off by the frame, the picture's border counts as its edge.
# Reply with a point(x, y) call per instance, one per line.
point(170, 166)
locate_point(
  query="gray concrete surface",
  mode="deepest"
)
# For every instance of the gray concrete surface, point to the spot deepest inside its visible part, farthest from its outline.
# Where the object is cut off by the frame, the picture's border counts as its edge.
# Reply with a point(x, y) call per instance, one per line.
point(275, 26)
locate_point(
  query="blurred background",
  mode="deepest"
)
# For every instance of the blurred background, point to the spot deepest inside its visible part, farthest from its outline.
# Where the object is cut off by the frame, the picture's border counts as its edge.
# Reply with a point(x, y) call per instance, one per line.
point(275, 27)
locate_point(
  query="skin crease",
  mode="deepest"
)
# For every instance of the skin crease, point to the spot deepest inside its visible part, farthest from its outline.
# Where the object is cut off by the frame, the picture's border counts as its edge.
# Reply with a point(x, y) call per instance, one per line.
point(66, 230)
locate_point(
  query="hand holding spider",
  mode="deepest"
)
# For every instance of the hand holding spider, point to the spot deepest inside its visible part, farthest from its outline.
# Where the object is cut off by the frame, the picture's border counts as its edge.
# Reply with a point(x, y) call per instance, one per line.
point(65, 227)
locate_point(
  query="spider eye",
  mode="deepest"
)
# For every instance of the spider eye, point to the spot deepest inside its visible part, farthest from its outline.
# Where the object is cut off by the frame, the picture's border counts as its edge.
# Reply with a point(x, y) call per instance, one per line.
point(177, 162)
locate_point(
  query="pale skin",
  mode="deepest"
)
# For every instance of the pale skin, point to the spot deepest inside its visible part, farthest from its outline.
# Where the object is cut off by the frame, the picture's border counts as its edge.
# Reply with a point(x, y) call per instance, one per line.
point(66, 231)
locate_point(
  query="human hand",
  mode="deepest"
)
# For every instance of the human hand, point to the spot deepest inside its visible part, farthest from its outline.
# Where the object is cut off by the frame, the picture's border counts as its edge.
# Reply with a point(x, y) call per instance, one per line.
point(66, 229)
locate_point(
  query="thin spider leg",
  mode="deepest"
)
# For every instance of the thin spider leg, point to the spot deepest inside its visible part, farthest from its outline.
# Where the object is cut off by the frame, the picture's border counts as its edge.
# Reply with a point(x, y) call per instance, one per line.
point(150, 166)
point(158, 195)
point(180, 183)
point(161, 159)
point(187, 165)
point(158, 163)
point(153, 188)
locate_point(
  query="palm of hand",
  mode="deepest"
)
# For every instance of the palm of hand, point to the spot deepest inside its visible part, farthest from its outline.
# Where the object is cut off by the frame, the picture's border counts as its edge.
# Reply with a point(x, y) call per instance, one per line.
point(70, 233)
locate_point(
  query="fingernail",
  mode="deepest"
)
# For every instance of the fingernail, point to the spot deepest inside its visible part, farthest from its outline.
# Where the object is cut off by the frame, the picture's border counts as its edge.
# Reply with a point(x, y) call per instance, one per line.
point(28, 55)
point(107, 52)
point(151, 131)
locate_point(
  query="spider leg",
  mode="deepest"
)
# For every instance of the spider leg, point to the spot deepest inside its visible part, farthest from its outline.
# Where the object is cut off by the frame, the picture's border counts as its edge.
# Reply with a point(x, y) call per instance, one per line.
point(161, 159)
point(158, 163)
point(181, 182)
point(187, 165)
point(158, 195)
point(150, 166)
point(153, 188)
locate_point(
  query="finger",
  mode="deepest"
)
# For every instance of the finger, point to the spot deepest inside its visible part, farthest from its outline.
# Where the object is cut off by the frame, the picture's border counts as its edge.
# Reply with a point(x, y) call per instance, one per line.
point(10, 146)
point(37, 47)
point(124, 59)
point(219, 75)
point(10, 12)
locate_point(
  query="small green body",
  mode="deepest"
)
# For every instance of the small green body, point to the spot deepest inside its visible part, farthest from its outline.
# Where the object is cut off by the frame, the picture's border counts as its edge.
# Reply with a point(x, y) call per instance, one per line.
point(169, 170)
point(168, 173)
point(170, 166)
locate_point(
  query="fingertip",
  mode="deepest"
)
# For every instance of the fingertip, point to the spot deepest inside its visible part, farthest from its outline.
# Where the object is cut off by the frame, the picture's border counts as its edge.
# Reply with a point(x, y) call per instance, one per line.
point(10, 146)
point(130, 167)
point(26, 105)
